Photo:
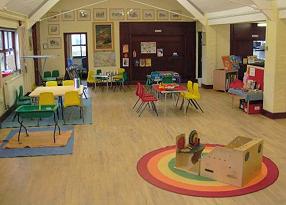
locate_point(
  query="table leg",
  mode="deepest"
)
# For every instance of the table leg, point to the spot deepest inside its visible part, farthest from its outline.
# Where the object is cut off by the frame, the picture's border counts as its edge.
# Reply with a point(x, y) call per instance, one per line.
point(165, 103)
point(21, 125)
point(56, 125)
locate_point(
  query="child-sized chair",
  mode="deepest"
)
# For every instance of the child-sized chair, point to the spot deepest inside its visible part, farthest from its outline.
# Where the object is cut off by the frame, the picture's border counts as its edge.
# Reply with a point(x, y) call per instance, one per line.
point(51, 83)
point(72, 99)
point(193, 97)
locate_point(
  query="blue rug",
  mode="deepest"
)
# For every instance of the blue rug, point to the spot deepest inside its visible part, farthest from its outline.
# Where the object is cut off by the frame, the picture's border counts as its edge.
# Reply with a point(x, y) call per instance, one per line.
point(71, 116)
point(31, 152)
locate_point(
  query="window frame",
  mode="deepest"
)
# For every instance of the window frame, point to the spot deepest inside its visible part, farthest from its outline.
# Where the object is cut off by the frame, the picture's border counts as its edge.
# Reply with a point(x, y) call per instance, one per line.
point(8, 48)
point(80, 45)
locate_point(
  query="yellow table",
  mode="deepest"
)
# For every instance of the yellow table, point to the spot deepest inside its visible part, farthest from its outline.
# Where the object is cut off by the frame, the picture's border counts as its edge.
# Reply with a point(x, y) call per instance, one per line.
point(56, 90)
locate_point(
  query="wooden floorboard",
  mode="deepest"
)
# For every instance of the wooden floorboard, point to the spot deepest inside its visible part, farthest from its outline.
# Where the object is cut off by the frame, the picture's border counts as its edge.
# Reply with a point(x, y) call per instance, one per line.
point(102, 169)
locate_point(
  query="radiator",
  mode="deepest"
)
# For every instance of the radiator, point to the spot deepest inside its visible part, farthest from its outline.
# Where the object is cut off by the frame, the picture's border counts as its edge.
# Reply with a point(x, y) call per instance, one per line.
point(10, 86)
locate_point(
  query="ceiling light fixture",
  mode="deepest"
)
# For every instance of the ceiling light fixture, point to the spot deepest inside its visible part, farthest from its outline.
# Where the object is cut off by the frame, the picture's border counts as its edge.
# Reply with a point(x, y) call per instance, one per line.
point(262, 24)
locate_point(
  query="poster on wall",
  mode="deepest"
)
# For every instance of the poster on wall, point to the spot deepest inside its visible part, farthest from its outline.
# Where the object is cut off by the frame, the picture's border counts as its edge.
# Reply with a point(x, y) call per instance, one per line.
point(104, 59)
point(125, 62)
point(125, 48)
point(160, 52)
point(148, 62)
point(103, 36)
point(142, 62)
point(148, 47)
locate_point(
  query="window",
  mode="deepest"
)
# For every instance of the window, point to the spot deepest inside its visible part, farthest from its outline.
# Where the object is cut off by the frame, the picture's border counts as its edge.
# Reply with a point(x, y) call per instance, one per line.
point(8, 59)
point(78, 45)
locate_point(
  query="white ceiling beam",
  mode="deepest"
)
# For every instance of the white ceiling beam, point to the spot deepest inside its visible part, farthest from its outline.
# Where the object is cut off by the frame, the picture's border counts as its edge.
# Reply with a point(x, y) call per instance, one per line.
point(232, 12)
point(41, 12)
point(12, 15)
point(265, 7)
point(237, 19)
point(194, 11)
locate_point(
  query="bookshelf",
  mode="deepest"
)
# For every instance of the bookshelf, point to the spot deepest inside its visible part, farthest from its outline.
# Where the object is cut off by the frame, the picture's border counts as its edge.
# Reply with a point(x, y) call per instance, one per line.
point(222, 78)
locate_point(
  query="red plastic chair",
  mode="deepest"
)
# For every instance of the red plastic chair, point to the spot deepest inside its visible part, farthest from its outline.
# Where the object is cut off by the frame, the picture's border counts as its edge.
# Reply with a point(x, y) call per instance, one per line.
point(147, 99)
point(138, 87)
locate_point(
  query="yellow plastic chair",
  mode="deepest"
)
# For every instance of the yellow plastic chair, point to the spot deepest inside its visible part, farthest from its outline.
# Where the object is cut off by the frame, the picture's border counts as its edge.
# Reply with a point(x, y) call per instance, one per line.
point(47, 98)
point(72, 99)
point(90, 78)
point(182, 94)
point(51, 83)
point(119, 76)
point(192, 97)
point(68, 83)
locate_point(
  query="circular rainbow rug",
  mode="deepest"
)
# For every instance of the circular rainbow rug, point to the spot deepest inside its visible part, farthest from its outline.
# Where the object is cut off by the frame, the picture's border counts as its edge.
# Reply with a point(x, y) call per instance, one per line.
point(157, 167)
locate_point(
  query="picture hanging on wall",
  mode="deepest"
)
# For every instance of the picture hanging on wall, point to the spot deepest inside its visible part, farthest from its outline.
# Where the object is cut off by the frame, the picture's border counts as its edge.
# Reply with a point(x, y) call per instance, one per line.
point(148, 14)
point(68, 16)
point(176, 15)
point(142, 62)
point(100, 14)
point(148, 47)
point(54, 29)
point(125, 62)
point(148, 62)
point(54, 43)
point(84, 15)
point(103, 36)
point(133, 14)
point(53, 16)
point(116, 14)
point(104, 59)
point(160, 52)
point(125, 48)
point(162, 15)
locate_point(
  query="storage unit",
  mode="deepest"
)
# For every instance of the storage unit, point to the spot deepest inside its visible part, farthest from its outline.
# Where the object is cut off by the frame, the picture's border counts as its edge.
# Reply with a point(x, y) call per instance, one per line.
point(222, 78)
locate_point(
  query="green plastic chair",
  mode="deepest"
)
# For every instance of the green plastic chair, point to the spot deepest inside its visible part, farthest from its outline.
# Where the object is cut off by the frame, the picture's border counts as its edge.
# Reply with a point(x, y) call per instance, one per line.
point(47, 74)
point(19, 102)
point(55, 73)
point(167, 79)
point(21, 94)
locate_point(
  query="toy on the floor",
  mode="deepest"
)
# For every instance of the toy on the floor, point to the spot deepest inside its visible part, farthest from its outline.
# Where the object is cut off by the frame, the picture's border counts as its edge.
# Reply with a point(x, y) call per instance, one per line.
point(188, 155)
point(236, 163)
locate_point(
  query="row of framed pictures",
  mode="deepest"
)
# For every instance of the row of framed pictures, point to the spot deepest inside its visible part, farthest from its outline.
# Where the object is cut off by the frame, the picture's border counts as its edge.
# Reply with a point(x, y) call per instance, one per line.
point(100, 14)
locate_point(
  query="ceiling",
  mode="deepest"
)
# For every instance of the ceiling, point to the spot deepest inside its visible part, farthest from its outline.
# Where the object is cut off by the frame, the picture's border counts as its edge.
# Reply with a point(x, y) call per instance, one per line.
point(26, 7)
point(208, 6)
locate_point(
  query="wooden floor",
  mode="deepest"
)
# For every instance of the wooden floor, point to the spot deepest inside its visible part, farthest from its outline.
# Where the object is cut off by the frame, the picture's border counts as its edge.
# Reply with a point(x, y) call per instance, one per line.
point(102, 169)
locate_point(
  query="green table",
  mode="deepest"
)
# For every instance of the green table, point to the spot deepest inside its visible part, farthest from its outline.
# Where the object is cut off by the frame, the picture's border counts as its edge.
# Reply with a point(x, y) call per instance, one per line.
point(37, 112)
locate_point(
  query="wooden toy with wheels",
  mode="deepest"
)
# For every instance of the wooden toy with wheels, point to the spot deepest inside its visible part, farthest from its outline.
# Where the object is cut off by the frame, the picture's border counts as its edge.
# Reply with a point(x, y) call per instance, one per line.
point(188, 156)
point(236, 163)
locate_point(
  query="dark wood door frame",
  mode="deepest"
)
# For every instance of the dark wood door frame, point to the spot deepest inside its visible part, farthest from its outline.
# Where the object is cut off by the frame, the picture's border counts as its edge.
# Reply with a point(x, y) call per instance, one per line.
point(65, 46)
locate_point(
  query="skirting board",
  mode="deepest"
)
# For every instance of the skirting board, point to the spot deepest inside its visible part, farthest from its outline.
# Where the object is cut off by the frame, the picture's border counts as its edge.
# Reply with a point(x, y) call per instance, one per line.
point(280, 115)
point(207, 86)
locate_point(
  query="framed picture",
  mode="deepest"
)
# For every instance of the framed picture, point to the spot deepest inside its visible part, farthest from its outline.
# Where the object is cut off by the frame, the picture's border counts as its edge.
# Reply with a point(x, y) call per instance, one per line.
point(125, 62)
point(142, 62)
point(133, 14)
point(125, 48)
point(54, 16)
point(99, 14)
point(116, 14)
point(162, 15)
point(54, 29)
point(160, 52)
point(54, 42)
point(103, 36)
point(68, 16)
point(148, 14)
point(176, 15)
point(83, 15)
point(148, 47)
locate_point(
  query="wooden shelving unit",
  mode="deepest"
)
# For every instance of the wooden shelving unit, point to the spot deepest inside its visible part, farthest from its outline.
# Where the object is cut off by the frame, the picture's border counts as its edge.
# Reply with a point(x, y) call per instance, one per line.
point(222, 78)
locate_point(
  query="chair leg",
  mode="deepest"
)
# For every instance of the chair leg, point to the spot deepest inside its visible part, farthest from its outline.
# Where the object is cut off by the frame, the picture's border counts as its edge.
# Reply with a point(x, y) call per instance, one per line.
point(154, 107)
point(143, 109)
point(198, 105)
point(140, 106)
point(182, 104)
point(177, 100)
point(194, 104)
point(136, 103)
point(14, 117)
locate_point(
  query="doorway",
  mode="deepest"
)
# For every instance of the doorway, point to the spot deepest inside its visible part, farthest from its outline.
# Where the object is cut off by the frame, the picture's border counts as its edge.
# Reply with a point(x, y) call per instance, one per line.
point(76, 52)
